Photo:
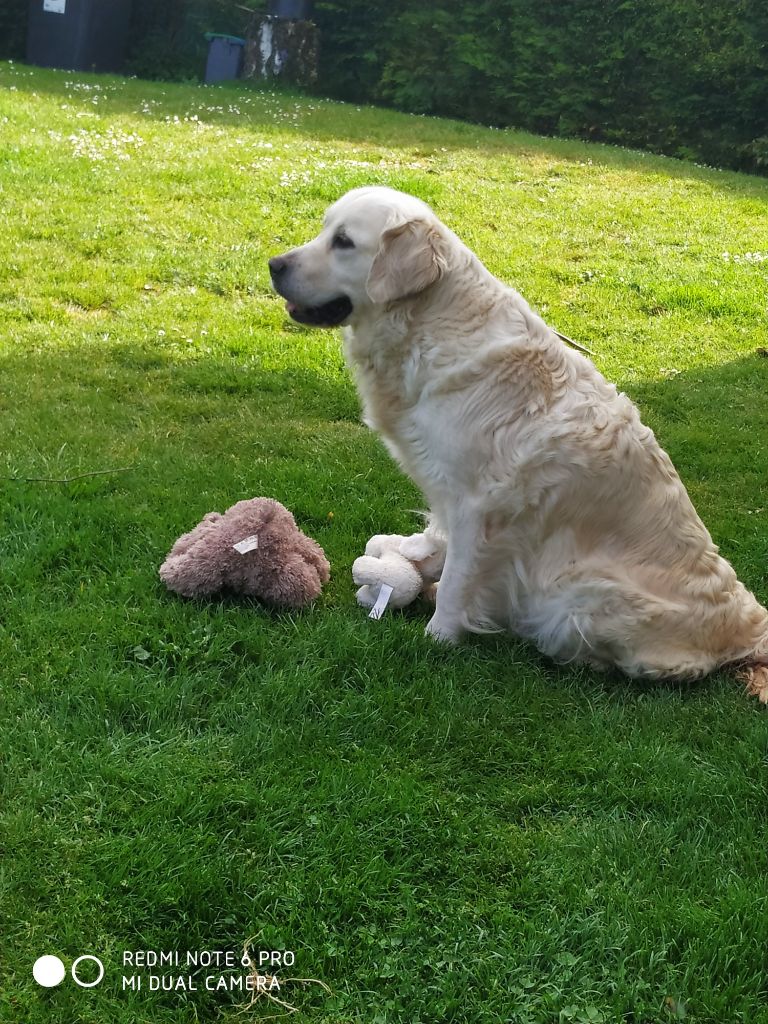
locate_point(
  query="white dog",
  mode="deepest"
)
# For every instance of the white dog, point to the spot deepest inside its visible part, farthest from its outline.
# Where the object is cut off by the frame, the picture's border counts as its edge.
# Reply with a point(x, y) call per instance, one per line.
point(561, 517)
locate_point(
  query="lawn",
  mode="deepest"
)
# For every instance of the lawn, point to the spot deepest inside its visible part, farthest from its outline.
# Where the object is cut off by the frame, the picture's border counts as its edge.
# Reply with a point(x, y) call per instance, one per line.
point(470, 835)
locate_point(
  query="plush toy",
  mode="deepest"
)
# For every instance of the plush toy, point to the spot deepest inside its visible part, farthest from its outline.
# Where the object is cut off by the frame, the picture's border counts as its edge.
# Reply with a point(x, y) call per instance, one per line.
point(255, 549)
point(410, 566)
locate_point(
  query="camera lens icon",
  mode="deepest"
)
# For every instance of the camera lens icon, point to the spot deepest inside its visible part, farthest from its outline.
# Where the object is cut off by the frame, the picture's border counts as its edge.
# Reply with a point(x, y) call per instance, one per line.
point(49, 971)
point(92, 959)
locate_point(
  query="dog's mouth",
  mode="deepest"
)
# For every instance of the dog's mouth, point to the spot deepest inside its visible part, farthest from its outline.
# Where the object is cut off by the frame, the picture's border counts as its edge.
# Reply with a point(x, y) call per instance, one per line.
point(330, 314)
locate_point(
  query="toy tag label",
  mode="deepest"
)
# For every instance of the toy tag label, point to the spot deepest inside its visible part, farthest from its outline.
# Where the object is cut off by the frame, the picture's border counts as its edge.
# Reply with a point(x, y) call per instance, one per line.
point(248, 544)
point(381, 601)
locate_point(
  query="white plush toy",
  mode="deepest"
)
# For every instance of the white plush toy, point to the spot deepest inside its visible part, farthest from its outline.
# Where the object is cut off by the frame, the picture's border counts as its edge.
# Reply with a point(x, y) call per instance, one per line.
point(395, 570)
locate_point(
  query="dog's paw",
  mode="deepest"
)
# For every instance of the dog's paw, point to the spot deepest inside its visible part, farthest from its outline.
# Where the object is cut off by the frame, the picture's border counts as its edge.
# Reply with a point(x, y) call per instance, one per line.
point(443, 631)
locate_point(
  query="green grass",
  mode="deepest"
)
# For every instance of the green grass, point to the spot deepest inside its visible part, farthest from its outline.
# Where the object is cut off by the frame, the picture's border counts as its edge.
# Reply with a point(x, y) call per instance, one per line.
point(469, 835)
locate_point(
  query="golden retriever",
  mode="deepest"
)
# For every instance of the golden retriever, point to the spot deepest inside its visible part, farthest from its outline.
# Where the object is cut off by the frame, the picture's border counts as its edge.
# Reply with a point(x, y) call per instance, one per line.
point(559, 516)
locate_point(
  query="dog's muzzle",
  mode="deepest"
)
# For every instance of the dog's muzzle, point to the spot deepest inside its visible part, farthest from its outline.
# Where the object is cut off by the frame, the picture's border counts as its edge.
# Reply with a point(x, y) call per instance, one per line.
point(328, 314)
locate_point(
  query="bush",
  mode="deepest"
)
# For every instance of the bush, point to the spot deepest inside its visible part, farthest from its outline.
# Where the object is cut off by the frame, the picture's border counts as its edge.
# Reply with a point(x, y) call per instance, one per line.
point(167, 40)
point(683, 77)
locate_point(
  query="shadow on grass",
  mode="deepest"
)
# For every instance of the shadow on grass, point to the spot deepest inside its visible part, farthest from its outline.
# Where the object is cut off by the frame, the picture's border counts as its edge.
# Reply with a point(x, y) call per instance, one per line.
point(301, 392)
point(400, 129)
point(713, 422)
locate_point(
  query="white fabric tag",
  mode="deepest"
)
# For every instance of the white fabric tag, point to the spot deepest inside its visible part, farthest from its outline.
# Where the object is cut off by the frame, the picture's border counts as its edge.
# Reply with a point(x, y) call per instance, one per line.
point(381, 601)
point(249, 544)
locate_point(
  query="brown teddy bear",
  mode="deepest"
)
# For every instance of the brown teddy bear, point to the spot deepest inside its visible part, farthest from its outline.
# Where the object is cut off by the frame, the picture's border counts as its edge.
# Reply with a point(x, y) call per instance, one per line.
point(255, 549)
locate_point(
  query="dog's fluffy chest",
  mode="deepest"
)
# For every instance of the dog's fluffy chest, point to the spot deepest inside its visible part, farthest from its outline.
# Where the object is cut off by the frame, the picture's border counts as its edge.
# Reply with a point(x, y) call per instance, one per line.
point(391, 375)
point(400, 388)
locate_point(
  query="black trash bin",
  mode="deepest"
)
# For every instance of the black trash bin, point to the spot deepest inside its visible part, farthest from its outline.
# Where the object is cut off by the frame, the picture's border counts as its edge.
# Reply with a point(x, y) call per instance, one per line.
point(225, 57)
point(291, 10)
point(78, 35)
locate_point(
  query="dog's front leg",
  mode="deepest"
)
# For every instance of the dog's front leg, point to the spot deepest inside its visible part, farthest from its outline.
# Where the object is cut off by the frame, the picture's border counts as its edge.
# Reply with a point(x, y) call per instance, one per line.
point(461, 561)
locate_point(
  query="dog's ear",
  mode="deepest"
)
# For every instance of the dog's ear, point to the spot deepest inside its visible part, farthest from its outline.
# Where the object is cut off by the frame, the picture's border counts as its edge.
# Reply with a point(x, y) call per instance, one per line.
point(412, 256)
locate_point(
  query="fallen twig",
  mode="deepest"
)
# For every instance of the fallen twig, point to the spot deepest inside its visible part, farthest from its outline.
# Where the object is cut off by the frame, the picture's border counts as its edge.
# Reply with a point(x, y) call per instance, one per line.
point(266, 979)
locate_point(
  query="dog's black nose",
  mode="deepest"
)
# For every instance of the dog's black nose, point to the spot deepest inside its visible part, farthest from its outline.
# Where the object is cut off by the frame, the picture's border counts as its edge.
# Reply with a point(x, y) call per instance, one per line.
point(277, 266)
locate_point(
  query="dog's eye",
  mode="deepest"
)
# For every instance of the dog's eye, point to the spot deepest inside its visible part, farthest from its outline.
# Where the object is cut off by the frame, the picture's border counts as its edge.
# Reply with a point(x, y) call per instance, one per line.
point(342, 242)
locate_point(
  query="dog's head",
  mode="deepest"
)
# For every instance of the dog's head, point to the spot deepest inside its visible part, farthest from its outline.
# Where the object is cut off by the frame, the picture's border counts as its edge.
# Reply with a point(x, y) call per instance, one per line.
point(377, 246)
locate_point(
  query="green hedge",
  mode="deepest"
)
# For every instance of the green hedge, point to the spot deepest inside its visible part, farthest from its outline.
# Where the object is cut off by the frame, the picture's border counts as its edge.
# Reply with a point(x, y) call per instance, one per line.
point(684, 77)
point(167, 39)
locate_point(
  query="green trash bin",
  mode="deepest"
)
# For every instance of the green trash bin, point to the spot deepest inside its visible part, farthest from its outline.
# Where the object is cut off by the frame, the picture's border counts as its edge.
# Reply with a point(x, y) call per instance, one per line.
point(225, 57)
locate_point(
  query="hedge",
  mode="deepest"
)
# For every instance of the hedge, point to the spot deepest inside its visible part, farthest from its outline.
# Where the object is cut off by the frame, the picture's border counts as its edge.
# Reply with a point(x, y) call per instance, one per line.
point(683, 77)
point(167, 37)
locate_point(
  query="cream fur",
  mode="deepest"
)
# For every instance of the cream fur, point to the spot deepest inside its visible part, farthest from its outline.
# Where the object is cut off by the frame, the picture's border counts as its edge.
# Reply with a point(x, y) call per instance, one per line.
point(565, 521)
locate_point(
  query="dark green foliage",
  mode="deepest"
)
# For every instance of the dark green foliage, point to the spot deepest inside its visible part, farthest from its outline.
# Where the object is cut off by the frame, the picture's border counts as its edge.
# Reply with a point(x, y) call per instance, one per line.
point(168, 39)
point(684, 77)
